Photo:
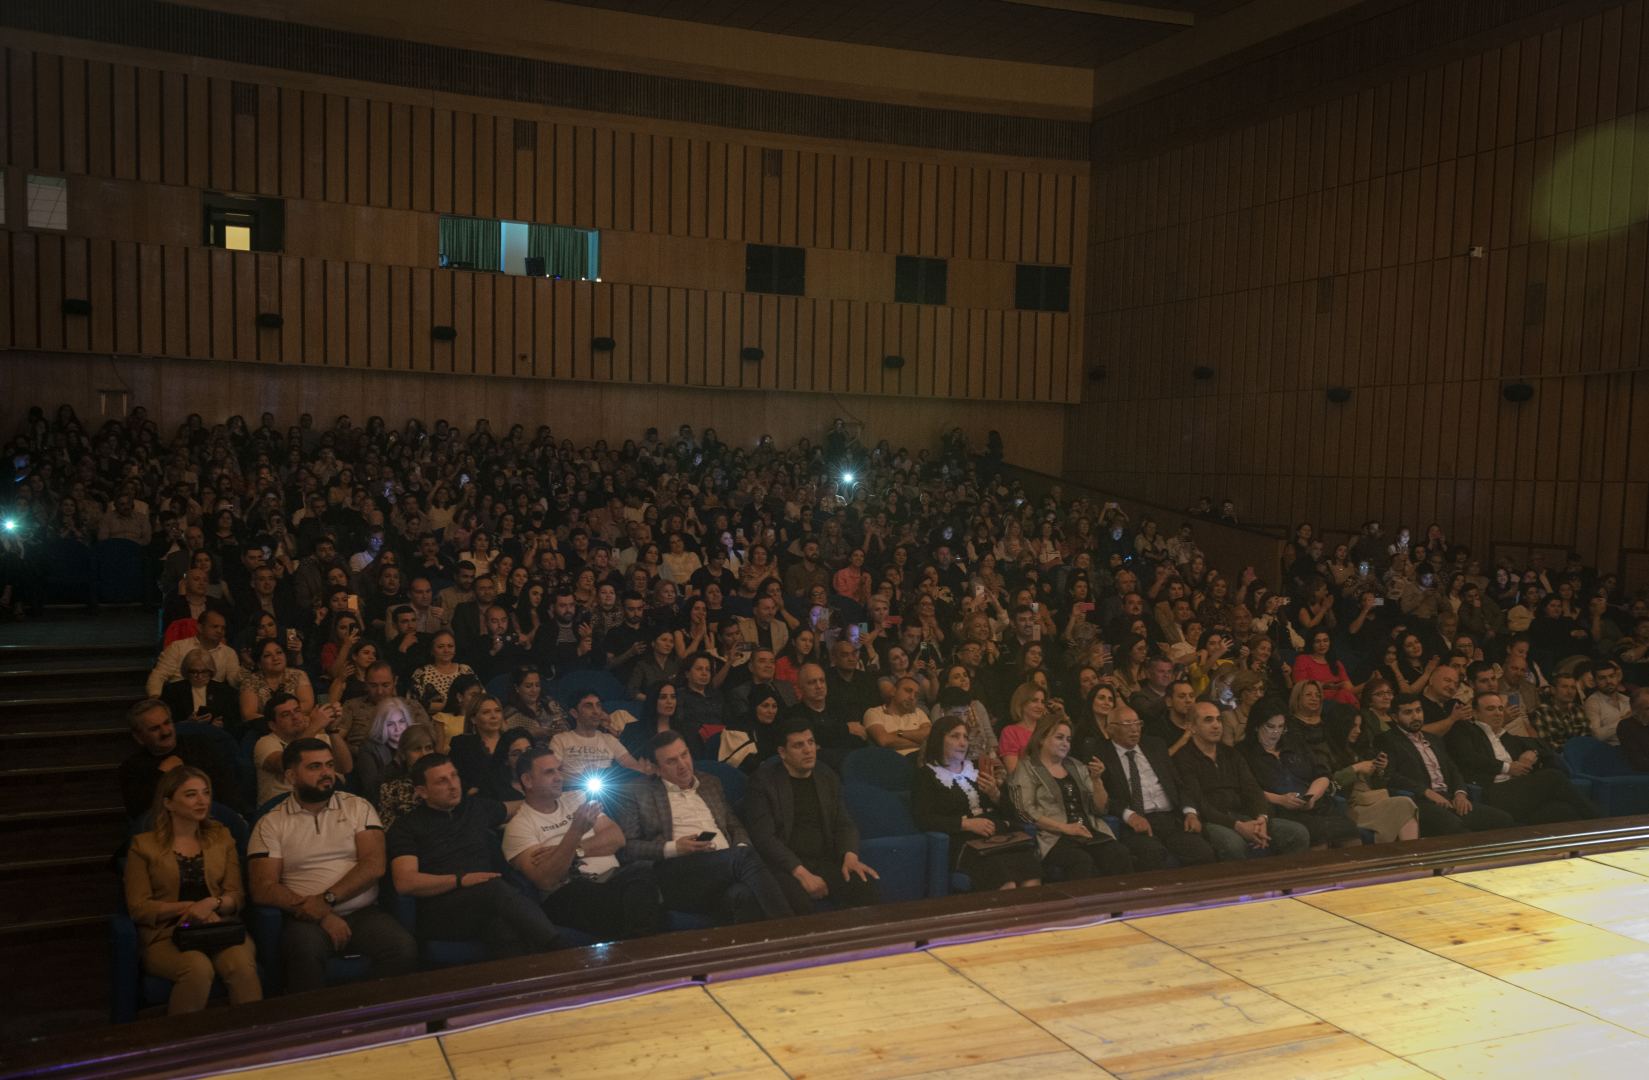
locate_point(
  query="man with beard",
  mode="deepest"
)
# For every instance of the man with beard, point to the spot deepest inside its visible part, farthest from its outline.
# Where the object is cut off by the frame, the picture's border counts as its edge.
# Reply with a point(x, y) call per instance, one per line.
point(317, 856)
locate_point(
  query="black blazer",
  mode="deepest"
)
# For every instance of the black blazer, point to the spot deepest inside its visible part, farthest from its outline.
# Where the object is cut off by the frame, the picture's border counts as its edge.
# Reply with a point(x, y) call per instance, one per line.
point(222, 701)
point(1115, 776)
point(1474, 754)
point(940, 807)
point(771, 814)
point(1406, 770)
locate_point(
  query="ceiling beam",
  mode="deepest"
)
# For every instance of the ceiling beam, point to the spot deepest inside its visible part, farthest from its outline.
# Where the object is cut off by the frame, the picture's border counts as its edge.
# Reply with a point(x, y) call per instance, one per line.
point(1137, 12)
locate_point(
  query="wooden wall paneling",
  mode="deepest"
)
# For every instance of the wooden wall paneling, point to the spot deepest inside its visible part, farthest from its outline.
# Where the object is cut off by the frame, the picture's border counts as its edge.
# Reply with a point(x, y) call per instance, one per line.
point(603, 178)
point(317, 144)
point(664, 176)
point(420, 317)
point(379, 151)
point(992, 384)
point(720, 351)
point(482, 155)
point(402, 163)
point(76, 284)
point(48, 270)
point(916, 204)
point(316, 340)
point(462, 154)
point(358, 317)
point(839, 177)
point(289, 146)
point(805, 198)
point(380, 307)
point(633, 356)
point(335, 132)
point(755, 192)
point(500, 158)
point(830, 330)
point(694, 303)
point(505, 356)
point(241, 304)
point(601, 325)
point(72, 114)
point(873, 197)
point(523, 360)
point(48, 112)
point(769, 331)
point(641, 182)
point(851, 363)
point(421, 158)
point(543, 328)
point(716, 206)
point(482, 325)
point(290, 341)
point(149, 283)
point(99, 125)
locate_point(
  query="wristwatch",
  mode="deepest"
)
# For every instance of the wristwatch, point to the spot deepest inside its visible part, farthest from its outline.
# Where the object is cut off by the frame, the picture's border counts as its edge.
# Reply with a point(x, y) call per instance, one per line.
point(578, 852)
point(330, 897)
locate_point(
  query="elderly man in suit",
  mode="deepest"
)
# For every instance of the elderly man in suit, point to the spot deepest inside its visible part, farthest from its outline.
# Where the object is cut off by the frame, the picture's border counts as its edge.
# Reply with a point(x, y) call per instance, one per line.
point(1145, 792)
point(701, 854)
point(1519, 775)
point(800, 824)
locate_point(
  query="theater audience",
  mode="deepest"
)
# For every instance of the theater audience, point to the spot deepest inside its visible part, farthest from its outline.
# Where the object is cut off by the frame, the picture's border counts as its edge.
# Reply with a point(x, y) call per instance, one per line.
point(185, 871)
point(1417, 762)
point(202, 698)
point(1633, 732)
point(273, 678)
point(1562, 717)
point(591, 747)
point(395, 795)
point(800, 824)
point(1516, 774)
point(701, 853)
point(969, 803)
point(445, 853)
point(1295, 784)
point(1144, 790)
point(562, 842)
point(160, 750)
point(208, 638)
point(1606, 706)
point(1056, 794)
point(318, 856)
point(289, 721)
point(1235, 813)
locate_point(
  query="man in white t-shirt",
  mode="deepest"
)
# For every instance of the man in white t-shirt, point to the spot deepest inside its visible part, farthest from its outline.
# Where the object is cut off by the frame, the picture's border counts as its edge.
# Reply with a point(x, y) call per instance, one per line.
point(288, 724)
point(562, 842)
point(589, 747)
point(901, 724)
point(318, 857)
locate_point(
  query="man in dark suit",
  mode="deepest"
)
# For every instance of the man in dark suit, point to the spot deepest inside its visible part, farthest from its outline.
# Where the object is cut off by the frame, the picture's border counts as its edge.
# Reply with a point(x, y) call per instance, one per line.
point(1519, 775)
point(1143, 789)
point(469, 621)
point(665, 819)
point(1420, 764)
point(800, 824)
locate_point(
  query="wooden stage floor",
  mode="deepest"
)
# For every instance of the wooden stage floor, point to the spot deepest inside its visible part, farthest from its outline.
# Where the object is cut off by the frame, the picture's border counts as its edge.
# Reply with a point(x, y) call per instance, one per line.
point(1538, 970)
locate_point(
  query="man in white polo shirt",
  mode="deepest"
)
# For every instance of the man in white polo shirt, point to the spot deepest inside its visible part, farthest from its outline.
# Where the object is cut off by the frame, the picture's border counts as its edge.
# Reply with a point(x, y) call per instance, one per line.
point(318, 856)
point(562, 842)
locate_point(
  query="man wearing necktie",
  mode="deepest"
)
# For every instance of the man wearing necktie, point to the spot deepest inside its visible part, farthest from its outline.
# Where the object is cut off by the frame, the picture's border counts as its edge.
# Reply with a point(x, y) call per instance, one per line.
point(1159, 814)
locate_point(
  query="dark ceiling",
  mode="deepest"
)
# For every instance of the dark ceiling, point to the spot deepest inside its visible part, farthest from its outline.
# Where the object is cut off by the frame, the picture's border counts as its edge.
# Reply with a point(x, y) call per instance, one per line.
point(989, 29)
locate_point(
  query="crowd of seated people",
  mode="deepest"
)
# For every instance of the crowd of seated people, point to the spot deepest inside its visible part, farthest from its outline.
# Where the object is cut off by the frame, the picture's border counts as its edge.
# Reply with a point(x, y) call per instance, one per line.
point(426, 643)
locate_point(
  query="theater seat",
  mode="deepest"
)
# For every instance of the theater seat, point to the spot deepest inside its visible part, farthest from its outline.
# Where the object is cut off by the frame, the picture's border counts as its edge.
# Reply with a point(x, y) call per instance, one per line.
point(119, 571)
point(911, 865)
point(879, 767)
point(438, 952)
point(1614, 785)
point(733, 782)
point(265, 925)
point(575, 684)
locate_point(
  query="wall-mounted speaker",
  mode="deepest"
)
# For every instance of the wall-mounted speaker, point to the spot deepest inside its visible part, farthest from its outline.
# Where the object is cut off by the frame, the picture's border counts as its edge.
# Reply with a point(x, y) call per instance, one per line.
point(1203, 372)
point(751, 354)
point(893, 362)
point(443, 333)
point(1339, 395)
point(603, 344)
point(1517, 392)
point(270, 320)
point(75, 306)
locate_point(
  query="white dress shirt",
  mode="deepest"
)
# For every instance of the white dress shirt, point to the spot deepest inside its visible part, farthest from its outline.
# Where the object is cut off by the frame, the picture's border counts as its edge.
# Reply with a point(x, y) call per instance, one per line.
point(689, 816)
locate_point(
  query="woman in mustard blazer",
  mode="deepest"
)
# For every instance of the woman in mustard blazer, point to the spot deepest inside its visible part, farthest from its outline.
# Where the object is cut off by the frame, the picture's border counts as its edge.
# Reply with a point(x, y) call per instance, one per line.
point(187, 866)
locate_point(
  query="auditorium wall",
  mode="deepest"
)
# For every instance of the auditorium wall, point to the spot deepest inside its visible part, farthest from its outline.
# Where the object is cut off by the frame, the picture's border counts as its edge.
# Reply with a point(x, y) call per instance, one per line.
point(367, 169)
point(1419, 232)
point(101, 387)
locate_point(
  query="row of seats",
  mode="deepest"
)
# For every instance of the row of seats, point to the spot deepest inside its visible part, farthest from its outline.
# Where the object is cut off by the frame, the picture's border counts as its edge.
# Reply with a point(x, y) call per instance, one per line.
point(107, 572)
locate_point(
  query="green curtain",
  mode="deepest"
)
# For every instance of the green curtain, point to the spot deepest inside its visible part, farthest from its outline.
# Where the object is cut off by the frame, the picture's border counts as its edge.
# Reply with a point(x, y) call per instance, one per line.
point(574, 254)
point(473, 242)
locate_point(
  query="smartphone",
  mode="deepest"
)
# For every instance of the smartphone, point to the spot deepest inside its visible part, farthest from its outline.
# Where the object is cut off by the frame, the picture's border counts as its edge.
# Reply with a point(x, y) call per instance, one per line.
point(1363, 568)
point(705, 837)
point(1514, 700)
point(1379, 601)
point(853, 633)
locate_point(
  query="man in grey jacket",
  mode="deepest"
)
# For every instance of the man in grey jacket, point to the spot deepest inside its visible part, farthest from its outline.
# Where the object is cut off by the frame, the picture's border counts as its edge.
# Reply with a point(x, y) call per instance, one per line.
point(800, 824)
point(701, 854)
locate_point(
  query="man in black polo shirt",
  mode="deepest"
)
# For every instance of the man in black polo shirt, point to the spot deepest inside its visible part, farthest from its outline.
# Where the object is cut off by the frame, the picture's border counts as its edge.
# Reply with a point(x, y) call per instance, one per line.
point(835, 731)
point(446, 854)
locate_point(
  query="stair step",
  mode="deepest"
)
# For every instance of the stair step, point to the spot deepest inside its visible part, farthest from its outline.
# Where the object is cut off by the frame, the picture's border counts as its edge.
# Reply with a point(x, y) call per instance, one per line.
point(74, 788)
point(54, 893)
point(63, 754)
point(94, 832)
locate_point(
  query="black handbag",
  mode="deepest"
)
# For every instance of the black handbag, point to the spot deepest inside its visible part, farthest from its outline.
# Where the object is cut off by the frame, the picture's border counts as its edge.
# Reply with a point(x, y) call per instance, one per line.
point(208, 937)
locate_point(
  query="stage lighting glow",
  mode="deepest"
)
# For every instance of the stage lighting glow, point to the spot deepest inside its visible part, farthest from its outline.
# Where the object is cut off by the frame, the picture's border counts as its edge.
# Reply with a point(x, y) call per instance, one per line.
point(847, 478)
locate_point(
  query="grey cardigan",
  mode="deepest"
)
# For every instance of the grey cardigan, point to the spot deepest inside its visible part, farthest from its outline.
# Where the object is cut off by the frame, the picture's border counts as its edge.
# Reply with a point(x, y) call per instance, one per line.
point(1036, 794)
